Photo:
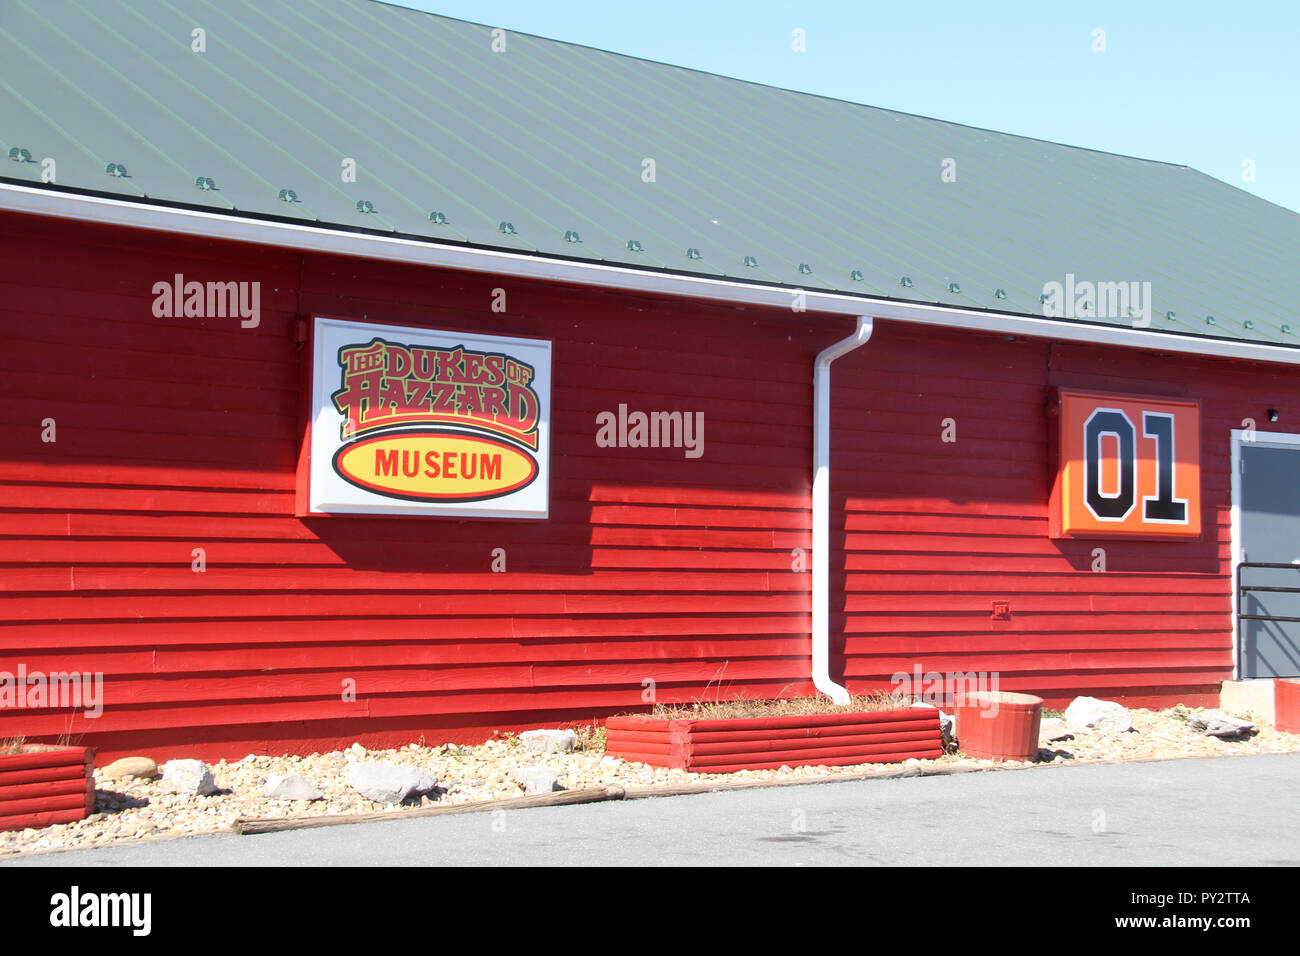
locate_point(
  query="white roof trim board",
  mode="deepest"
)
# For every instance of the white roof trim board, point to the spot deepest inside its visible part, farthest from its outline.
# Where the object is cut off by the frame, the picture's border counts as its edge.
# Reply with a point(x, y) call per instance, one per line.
point(46, 202)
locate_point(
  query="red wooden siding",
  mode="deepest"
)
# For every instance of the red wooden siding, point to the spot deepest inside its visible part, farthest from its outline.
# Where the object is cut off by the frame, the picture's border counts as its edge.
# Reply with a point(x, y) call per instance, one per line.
point(932, 533)
point(176, 434)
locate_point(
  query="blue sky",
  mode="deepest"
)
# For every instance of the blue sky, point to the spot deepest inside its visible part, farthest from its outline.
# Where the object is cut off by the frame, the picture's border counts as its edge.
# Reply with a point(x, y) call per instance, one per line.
point(1208, 85)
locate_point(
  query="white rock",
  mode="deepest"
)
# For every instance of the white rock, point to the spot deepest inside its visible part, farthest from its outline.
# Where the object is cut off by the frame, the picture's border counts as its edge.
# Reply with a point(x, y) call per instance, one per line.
point(1053, 728)
point(388, 783)
point(537, 780)
point(358, 750)
point(291, 786)
point(1214, 723)
point(549, 741)
point(1103, 716)
point(189, 777)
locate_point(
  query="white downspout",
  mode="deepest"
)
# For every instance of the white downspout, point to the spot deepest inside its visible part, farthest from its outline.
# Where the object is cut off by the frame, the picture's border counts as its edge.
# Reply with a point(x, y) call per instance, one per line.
point(821, 509)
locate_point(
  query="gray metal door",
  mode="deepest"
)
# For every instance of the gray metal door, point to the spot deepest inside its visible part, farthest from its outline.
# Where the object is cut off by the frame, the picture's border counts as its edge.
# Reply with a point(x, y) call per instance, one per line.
point(1270, 534)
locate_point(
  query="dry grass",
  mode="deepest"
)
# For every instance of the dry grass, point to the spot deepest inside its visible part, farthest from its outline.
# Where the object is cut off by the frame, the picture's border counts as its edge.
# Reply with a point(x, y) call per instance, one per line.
point(784, 707)
point(12, 745)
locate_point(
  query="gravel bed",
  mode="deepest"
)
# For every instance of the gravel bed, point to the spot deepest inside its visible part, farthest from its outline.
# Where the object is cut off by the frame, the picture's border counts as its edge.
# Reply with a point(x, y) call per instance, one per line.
point(133, 809)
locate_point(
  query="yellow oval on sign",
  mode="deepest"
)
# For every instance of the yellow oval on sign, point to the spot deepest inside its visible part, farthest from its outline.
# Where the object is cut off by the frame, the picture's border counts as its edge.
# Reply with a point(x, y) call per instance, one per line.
point(435, 466)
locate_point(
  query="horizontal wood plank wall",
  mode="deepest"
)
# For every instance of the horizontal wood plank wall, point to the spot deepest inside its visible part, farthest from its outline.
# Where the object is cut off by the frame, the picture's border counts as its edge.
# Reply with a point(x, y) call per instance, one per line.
point(177, 434)
point(930, 533)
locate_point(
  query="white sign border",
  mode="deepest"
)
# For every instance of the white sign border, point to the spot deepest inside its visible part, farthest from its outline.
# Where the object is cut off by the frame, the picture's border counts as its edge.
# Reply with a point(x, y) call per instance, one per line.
point(317, 379)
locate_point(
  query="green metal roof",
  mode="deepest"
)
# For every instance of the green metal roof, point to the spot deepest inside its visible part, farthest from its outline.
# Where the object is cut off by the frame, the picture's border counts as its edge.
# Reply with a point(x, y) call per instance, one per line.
point(553, 138)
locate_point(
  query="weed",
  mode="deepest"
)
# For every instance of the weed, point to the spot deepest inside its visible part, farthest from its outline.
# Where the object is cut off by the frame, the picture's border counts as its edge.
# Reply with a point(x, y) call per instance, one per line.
point(591, 738)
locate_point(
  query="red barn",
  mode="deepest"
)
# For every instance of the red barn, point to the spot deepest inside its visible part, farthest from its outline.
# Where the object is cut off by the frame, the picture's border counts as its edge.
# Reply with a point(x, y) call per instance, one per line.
point(369, 374)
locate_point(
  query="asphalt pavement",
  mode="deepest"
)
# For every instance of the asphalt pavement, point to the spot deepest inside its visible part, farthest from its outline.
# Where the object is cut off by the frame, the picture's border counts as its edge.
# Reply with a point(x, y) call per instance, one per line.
point(1230, 811)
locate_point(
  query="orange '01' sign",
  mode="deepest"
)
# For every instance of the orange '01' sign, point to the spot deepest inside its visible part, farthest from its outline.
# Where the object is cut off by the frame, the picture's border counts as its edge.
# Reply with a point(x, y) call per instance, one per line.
point(1129, 465)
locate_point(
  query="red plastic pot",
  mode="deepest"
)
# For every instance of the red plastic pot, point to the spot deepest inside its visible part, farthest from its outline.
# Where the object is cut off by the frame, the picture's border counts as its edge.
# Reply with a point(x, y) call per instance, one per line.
point(1286, 704)
point(997, 725)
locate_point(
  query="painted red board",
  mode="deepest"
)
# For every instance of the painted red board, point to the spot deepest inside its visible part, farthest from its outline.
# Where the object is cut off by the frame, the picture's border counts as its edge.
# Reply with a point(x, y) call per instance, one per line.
point(922, 754)
point(807, 744)
point(795, 757)
point(53, 757)
point(752, 728)
point(60, 801)
point(10, 778)
point(45, 818)
point(42, 788)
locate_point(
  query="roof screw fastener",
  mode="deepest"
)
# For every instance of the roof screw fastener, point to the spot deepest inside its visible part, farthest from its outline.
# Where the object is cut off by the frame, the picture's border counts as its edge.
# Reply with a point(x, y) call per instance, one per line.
point(20, 155)
point(1044, 297)
point(1209, 320)
point(1249, 323)
point(438, 218)
point(856, 275)
point(205, 183)
point(365, 205)
point(288, 195)
point(805, 269)
point(1286, 330)
point(507, 228)
point(693, 253)
point(571, 235)
point(905, 282)
point(115, 169)
point(954, 288)
point(1171, 316)
point(634, 245)
point(751, 262)
point(999, 293)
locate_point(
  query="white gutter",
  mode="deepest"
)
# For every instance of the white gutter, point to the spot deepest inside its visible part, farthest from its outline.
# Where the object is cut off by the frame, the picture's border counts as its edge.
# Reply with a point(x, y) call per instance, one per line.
point(821, 509)
point(47, 202)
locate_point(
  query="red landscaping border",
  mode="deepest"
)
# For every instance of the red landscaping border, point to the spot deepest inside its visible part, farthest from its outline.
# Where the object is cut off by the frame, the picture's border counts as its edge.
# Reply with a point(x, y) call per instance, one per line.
point(44, 785)
point(714, 745)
